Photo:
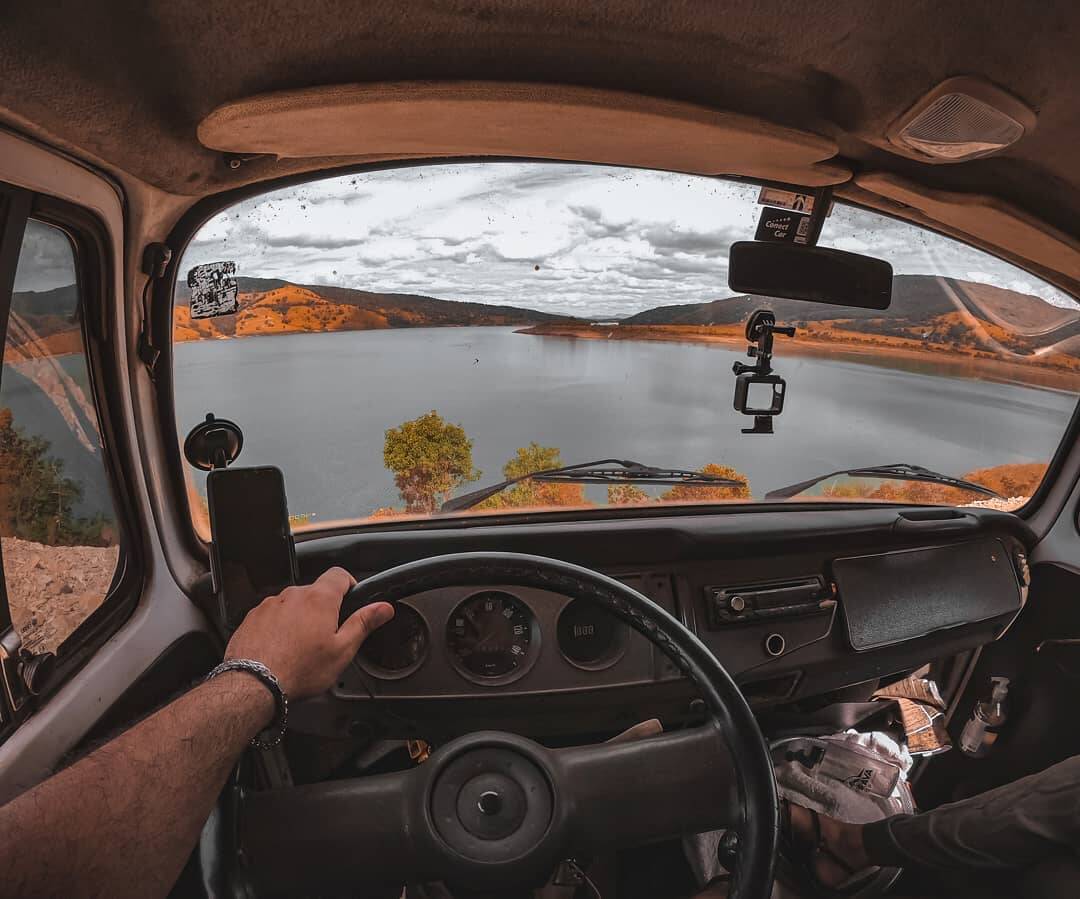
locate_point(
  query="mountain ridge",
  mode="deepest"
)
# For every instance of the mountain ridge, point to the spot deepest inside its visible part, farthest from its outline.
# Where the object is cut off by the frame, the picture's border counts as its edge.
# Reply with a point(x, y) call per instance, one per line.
point(915, 296)
point(374, 309)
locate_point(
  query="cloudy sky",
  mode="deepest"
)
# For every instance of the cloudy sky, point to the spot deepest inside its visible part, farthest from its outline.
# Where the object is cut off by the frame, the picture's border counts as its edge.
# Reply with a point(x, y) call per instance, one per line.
point(46, 259)
point(583, 240)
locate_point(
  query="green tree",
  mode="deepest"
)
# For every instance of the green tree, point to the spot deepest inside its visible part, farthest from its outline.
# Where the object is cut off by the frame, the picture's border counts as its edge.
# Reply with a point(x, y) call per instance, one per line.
point(429, 458)
point(530, 493)
point(36, 499)
point(703, 494)
point(627, 495)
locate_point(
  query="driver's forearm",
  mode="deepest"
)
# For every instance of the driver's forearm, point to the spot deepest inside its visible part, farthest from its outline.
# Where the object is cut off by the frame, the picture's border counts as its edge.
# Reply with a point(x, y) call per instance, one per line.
point(123, 820)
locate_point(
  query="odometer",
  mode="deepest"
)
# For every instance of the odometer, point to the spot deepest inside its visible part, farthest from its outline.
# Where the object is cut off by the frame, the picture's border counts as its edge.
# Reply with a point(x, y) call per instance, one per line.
point(397, 648)
point(492, 637)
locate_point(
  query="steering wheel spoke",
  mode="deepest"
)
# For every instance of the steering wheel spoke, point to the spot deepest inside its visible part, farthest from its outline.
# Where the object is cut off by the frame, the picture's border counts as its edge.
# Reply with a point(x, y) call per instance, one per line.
point(350, 831)
point(626, 794)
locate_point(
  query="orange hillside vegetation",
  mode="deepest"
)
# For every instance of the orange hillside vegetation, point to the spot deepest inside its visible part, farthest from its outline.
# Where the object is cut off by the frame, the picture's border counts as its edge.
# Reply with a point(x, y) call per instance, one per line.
point(690, 493)
point(1014, 480)
point(292, 308)
point(284, 310)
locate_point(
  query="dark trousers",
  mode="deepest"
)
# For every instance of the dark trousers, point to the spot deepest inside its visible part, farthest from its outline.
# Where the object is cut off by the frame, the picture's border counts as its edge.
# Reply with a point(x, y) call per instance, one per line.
point(1029, 828)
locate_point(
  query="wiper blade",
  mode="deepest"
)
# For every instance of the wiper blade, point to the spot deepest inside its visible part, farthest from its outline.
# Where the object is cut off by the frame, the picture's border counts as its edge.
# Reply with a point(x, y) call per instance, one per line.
point(600, 472)
point(898, 471)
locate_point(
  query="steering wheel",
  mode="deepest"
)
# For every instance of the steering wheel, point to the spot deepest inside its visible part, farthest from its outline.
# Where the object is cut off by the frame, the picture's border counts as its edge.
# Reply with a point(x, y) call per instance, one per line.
point(491, 809)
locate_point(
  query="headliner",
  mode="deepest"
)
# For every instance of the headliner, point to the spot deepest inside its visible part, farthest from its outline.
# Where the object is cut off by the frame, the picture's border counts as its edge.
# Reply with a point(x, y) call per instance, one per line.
point(125, 84)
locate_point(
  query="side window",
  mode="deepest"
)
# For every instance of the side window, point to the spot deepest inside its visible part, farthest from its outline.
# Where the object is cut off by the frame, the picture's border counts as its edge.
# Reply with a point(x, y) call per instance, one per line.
point(58, 531)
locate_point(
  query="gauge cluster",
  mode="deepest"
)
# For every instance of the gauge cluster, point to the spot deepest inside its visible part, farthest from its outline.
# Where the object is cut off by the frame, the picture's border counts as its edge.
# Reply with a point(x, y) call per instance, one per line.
point(464, 641)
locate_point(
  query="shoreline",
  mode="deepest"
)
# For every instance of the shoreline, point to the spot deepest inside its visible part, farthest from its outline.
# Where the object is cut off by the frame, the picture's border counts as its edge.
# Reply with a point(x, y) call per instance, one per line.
point(286, 332)
point(732, 337)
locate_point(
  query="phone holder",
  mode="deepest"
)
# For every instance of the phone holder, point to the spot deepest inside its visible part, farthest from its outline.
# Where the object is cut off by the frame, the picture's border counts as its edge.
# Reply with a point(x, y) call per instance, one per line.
point(760, 328)
point(213, 443)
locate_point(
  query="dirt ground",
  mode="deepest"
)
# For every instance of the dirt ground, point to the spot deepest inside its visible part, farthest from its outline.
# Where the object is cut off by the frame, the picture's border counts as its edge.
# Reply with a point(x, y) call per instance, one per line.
point(52, 589)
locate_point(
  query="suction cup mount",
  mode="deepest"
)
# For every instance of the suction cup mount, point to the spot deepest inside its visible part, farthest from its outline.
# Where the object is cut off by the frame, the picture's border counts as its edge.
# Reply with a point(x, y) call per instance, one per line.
point(213, 443)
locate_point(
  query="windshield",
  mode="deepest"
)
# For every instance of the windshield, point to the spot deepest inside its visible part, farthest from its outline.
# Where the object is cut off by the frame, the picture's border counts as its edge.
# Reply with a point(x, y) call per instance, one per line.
point(408, 336)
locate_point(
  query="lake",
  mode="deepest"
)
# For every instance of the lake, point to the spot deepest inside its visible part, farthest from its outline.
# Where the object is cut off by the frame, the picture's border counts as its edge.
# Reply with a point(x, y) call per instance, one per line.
point(318, 405)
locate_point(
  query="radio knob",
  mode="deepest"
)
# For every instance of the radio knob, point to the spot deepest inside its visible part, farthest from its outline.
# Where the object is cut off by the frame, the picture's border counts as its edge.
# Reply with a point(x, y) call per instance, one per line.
point(736, 603)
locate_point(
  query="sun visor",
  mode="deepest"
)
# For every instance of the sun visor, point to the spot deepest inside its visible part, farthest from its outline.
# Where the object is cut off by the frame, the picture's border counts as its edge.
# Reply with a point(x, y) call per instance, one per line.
point(409, 119)
point(986, 219)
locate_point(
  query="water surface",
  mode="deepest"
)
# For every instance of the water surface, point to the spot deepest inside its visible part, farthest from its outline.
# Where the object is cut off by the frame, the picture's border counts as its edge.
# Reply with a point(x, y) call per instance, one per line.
point(318, 405)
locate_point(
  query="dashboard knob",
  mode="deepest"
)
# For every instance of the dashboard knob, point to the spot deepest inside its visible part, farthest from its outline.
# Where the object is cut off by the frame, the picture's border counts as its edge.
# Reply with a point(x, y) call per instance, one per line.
point(736, 603)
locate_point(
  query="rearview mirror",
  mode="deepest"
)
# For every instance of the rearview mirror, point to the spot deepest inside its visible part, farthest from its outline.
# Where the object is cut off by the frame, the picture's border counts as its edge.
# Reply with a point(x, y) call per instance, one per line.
point(815, 274)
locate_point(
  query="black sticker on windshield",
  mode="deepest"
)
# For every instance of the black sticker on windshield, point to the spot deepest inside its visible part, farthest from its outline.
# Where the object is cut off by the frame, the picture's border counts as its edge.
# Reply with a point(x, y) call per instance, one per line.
point(213, 289)
point(779, 226)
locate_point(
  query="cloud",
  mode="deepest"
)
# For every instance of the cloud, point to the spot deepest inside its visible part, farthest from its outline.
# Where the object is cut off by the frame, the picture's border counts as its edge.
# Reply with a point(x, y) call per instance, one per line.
point(311, 241)
point(668, 239)
point(349, 199)
point(556, 237)
point(686, 264)
point(592, 223)
point(46, 259)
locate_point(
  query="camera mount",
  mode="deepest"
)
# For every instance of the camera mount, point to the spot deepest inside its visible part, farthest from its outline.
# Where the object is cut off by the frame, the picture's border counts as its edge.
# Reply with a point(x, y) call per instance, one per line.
point(760, 328)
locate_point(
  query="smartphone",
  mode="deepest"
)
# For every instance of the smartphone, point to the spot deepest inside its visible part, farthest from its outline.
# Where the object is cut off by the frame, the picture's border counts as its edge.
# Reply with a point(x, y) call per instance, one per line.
point(252, 555)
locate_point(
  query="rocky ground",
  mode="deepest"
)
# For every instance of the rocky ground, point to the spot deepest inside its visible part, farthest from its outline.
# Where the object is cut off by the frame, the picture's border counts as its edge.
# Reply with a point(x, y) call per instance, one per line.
point(52, 589)
point(1002, 505)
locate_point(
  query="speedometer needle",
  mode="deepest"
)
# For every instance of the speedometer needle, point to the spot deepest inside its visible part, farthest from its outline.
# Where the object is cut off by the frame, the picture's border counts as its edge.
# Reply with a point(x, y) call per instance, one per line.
point(483, 641)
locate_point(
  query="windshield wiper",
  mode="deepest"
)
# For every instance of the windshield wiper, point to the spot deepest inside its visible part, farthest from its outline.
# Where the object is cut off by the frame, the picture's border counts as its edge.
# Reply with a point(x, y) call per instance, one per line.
point(898, 471)
point(599, 472)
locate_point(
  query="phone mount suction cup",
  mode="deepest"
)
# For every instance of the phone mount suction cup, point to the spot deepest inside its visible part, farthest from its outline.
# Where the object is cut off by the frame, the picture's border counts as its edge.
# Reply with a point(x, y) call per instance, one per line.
point(213, 443)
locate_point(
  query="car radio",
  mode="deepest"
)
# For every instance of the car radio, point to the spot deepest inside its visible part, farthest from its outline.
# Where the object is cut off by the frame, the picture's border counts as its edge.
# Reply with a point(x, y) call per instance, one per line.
point(774, 599)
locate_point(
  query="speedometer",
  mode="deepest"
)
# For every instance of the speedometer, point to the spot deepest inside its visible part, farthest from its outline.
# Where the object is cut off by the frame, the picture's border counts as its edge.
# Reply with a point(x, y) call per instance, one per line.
point(492, 637)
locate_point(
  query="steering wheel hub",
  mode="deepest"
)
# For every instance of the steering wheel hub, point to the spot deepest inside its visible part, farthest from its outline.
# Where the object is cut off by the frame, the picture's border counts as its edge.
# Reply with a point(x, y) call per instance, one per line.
point(491, 803)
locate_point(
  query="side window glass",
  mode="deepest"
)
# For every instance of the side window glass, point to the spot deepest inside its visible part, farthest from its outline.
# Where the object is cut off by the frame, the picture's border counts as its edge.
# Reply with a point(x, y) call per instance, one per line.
point(58, 530)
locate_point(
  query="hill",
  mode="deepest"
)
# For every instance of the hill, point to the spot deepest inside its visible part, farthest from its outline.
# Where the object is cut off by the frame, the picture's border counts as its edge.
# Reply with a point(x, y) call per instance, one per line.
point(976, 328)
point(272, 306)
point(934, 310)
point(916, 298)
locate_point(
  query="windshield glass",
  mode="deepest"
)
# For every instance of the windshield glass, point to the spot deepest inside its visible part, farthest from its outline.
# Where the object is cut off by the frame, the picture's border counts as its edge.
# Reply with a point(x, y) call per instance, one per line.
point(407, 336)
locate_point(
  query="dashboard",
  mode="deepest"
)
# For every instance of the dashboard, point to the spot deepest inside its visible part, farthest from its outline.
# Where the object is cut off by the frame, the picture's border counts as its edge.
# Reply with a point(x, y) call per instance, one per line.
point(795, 603)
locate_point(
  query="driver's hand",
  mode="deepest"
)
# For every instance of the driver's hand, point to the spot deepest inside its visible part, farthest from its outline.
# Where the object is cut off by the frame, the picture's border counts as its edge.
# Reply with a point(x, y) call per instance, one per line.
point(295, 634)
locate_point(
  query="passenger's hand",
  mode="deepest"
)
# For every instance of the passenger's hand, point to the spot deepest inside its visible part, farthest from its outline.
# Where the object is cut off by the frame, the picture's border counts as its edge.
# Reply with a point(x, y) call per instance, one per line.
point(295, 634)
